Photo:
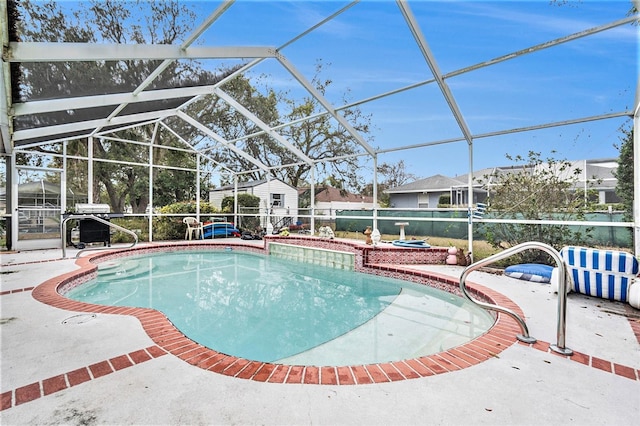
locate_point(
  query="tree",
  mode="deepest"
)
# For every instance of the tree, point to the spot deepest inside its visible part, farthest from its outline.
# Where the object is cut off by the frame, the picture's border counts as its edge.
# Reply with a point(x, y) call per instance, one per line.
point(319, 138)
point(244, 200)
point(167, 22)
point(247, 203)
point(322, 139)
point(624, 173)
point(394, 175)
point(389, 176)
point(536, 190)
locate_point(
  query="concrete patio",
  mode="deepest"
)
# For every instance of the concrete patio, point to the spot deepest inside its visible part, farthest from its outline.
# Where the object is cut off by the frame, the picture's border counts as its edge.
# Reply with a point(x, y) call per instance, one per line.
point(59, 367)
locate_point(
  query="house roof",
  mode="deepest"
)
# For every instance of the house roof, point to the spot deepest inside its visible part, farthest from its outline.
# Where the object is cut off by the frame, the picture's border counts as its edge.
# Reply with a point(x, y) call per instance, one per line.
point(479, 177)
point(430, 184)
point(598, 172)
point(245, 185)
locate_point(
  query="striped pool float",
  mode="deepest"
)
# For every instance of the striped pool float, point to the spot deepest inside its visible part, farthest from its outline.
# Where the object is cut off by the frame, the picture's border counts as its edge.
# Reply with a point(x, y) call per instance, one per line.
point(607, 274)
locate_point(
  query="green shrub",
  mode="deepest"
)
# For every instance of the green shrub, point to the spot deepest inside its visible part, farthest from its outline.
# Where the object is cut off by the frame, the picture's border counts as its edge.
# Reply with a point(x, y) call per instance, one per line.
point(246, 202)
point(139, 225)
point(540, 189)
point(444, 200)
point(172, 228)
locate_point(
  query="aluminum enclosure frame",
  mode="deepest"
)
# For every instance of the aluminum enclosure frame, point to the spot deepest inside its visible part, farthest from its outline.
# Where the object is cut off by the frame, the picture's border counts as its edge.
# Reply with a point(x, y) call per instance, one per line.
point(17, 140)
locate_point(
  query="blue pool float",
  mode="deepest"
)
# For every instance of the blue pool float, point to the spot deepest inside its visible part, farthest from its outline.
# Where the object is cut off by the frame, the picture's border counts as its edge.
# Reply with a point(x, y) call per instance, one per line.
point(535, 272)
point(411, 243)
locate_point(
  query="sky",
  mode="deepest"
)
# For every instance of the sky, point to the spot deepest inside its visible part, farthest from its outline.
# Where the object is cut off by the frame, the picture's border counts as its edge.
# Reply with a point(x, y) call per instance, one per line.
point(369, 50)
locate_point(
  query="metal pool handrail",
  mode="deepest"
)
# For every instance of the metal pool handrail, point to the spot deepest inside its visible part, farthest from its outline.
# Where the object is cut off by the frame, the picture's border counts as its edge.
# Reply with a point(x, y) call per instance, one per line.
point(562, 292)
point(63, 232)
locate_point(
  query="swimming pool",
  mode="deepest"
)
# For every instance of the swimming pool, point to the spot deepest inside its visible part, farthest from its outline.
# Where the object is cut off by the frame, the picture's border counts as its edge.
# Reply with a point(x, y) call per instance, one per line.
point(266, 309)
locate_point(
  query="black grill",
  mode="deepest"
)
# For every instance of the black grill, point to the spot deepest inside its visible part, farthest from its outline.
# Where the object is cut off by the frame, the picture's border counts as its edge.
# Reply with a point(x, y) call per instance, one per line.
point(91, 230)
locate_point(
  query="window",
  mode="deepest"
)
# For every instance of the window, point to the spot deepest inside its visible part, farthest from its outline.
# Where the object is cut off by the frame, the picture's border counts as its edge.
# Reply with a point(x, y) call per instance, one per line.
point(423, 201)
point(277, 200)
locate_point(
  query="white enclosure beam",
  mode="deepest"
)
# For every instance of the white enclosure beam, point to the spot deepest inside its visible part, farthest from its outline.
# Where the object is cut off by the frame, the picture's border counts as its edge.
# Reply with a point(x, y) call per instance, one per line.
point(5, 85)
point(130, 126)
point(325, 103)
point(207, 131)
point(5, 123)
point(453, 105)
point(222, 8)
point(239, 71)
point(435, 69)
point(52, 105)
point(60, 129)
point(477, 136)
point(163, 66)
point(192, 148)
point(543, 46)
point(268, 130)
point(90, 52)
point(90, 168)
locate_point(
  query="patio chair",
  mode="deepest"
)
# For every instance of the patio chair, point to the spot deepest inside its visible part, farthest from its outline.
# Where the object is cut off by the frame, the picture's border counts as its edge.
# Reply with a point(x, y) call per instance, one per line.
point(195, 229)
point(609, 274)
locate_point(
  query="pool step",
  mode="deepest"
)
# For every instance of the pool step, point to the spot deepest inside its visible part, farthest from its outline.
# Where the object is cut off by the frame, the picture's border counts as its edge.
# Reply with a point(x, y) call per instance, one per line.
point(123, 268)
point(409, 322)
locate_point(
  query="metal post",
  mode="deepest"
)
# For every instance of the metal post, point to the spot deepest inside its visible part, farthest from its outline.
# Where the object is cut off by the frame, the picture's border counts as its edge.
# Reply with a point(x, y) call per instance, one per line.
point(12, 203)
point(313, 200)
point(636, 166)
point(90, 169)
point(235, 200)
point(150, 214)
point(375, 191)
point(63, 179)
point(470, 202)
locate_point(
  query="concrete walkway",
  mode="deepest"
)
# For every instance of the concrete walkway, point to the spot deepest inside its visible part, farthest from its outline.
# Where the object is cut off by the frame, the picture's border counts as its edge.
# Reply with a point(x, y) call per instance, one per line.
point(104, 369)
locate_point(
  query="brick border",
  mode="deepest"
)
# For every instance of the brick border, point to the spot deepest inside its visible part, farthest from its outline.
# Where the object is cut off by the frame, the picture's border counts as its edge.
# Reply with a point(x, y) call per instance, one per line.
point(16, 290)
point(33, 391)
point(166, 336)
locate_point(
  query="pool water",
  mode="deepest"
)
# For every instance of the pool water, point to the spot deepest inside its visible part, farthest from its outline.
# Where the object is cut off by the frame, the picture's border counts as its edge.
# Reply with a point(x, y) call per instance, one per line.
point(267, 309)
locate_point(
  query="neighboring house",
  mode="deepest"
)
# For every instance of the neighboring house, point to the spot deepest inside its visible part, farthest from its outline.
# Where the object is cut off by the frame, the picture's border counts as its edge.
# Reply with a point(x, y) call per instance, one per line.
point(328, 200)
point(279, 197)
point(595, 175)
point(424, 193)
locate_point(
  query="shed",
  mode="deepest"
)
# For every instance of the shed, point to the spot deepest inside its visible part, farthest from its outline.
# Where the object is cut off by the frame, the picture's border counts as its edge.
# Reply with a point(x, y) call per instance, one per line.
point(277, 197)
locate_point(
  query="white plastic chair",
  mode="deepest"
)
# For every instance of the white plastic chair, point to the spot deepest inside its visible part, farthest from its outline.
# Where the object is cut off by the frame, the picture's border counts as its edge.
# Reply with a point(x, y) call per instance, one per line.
point(195, 229)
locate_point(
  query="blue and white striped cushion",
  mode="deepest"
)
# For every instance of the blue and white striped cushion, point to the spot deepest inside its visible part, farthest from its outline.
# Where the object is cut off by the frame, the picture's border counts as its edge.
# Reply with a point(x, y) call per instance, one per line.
point(602, 273)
